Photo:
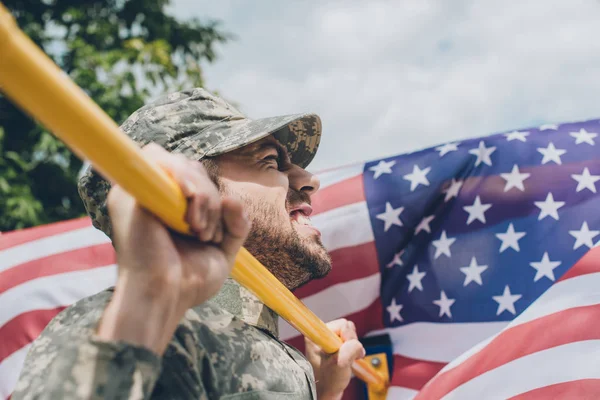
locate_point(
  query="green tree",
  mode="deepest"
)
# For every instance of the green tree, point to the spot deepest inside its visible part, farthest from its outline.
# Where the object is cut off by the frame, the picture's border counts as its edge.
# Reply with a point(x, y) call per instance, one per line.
point(120, 52)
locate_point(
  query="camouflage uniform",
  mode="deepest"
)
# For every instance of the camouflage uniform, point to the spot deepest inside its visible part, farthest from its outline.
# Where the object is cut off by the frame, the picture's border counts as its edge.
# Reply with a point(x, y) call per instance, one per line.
point(225, 348)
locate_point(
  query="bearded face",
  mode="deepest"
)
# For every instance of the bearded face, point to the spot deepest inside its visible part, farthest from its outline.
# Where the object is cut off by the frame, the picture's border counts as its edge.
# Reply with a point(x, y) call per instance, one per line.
point(276, 196)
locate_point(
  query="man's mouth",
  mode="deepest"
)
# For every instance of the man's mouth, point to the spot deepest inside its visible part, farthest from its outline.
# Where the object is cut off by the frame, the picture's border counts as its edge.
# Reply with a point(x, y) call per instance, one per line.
point(300, 216)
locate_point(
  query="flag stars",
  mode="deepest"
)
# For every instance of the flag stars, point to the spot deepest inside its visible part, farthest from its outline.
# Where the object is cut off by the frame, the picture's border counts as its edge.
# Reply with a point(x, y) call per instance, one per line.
point(507, 301)
point(394, 310)
point(483, 154)
point(544, 268)
point(453, 189)
point(442, 245)
point(584, 136)
point(444, 303)
point(551, 153)
point(418, 177)
point(549, 207)
point(584, 236)
point(516, 135)
point(515, 179)
point(447, 148)
point(424, 225)
point(510, 239)
point(415, 279)
point(397, 260)
point(476, 211)
point(391, 216)
point(473, 272)
point(586, 181)
point(384, 167)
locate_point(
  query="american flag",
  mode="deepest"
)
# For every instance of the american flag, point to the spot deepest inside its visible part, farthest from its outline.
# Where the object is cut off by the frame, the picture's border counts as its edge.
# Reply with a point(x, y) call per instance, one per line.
point(468, 255)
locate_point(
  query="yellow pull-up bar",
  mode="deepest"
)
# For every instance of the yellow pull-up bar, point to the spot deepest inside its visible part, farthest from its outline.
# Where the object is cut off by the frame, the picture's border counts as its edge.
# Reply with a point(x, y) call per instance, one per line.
point(32, 81)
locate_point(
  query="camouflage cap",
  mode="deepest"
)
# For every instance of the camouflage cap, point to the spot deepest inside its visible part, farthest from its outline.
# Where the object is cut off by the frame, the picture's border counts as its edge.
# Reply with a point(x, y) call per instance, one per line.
point(198, 124)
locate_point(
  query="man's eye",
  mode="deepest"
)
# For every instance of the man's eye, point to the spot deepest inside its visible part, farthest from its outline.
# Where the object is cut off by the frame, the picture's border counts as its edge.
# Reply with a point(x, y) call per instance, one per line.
point(274, 158)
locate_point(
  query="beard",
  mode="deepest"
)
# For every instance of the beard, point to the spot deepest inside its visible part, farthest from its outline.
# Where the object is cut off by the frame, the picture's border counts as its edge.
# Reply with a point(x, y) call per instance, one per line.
point(293, 259)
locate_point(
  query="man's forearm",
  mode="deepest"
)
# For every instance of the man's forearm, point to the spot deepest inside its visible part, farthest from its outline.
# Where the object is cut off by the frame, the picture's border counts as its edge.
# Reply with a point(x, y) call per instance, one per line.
point(140, 318)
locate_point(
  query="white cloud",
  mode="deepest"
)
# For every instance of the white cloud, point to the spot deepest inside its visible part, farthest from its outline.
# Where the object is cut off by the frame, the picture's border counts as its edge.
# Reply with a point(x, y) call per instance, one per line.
point(389, 77)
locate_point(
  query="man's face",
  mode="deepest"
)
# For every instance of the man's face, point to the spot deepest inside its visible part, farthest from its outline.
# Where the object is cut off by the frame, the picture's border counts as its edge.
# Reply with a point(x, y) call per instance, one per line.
point(276, 194)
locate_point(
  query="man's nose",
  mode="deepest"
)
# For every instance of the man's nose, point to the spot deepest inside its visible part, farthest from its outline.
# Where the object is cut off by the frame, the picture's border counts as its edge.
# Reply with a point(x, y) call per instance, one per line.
point(303, 181)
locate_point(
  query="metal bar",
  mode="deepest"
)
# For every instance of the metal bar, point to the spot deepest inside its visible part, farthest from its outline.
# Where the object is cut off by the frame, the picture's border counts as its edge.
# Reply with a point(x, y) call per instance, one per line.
point(33, 82)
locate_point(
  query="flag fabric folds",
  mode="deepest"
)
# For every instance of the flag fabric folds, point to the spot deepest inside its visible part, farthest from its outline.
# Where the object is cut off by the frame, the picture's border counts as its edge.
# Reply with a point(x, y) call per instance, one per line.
point(469, 255)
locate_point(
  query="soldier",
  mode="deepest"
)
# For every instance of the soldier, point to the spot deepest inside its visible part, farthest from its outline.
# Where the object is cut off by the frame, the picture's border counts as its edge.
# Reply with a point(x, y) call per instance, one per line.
point(174, 325)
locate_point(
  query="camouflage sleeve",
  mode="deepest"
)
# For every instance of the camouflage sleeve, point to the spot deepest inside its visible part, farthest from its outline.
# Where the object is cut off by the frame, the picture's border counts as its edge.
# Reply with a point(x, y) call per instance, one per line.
point(68, 362)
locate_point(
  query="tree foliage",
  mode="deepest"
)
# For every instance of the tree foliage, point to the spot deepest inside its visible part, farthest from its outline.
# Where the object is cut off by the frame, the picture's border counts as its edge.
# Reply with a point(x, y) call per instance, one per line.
point(120, 53)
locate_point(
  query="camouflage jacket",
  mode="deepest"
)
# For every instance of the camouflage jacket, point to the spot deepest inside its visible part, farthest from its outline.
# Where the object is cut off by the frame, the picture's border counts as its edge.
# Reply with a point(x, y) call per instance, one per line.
point(226, 348)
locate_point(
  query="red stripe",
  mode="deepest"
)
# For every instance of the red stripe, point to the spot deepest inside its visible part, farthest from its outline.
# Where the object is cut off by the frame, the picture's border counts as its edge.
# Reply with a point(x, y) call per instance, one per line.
point(76, 260)
point(354, 390)
point(15, 238)
point(23, 329)
point(583, 389)
point(348, 264)
point(366, 320)
point(588, 264)
point(567, 326)
point(412, 373)
point(348, 191)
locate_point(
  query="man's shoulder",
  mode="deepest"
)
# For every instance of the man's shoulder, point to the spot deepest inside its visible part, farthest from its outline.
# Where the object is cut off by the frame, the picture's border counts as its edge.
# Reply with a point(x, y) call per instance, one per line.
point(83, 314)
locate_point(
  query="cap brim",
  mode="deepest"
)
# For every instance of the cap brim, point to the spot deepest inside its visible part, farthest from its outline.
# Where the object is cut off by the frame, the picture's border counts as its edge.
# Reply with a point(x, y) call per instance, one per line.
point(299, 133)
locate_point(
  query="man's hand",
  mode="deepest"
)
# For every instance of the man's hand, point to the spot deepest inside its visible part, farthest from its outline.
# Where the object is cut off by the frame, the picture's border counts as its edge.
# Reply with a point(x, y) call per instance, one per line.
point(161, 273)
point(333, 371)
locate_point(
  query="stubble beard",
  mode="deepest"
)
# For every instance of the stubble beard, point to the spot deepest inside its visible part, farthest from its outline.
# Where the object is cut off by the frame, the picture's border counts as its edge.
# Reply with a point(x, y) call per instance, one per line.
point(293, 259)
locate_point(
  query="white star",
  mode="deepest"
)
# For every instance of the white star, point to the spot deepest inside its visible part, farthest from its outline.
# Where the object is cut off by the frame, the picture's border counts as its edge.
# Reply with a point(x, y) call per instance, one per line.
point(586, 181)
point(382, 168)
point(444, 303)
point(551, 153)
point(584, 236)
point(483, 154)
point(397, 260)
point(394, 310)
point(417, 177)
point(583, 136)
point(473, 272)
point(391, 216)
point(447, 148)
point(415, 279)
point(549, 207)
point(510, 238)
point(453, 189)
point(545, 267)
point(424, 225)
point(548, 126)
point(515, 179)
point(442, 245)
point(476, 211)
point(516, 135)
point(506, 301)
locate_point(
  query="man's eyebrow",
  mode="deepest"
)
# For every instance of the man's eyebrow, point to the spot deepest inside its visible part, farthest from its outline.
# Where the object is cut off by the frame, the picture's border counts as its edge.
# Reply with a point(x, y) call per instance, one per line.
point(281, 150)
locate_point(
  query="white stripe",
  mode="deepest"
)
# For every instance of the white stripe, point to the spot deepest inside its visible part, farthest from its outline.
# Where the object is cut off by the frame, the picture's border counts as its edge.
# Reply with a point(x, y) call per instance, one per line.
point(10, 369)
point(344, 226)
point(569, 362)
point(54, 291)
point(51, 245)
point(583, 290)
point(468, 354)
point(331, 177)
point(401, 393)
point(421, 340)
point(338, 301)
point(574, 292)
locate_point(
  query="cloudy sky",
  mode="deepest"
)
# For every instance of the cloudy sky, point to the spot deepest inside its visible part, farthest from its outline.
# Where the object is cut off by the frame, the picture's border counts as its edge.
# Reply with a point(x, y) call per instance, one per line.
point(389, 77)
